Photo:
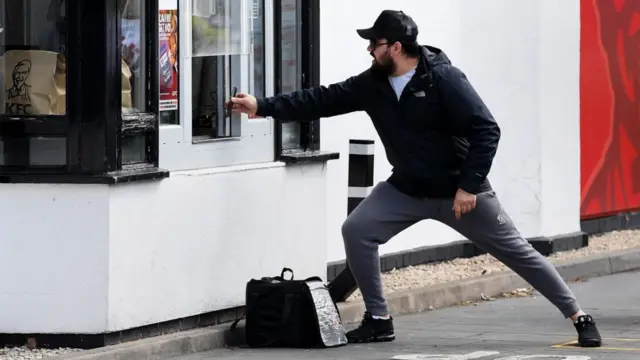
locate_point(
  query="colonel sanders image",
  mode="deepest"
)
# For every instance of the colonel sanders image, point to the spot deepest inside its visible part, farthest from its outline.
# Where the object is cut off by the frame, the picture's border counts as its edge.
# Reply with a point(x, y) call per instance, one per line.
point(20, 87)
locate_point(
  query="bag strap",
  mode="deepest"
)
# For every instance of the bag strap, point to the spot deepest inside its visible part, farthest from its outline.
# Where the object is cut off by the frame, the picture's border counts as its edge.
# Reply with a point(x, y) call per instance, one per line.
point(284, 270)
point(234, 334)
point(235, 323)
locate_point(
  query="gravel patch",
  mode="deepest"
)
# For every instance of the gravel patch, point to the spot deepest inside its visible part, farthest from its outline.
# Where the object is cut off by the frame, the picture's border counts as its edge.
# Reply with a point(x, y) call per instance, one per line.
point(517, 293)
point(413, 277)
point(24, 353)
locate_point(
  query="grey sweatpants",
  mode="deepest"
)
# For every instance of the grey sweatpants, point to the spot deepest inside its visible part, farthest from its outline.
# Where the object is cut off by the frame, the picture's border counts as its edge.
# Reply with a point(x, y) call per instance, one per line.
point(387, 211)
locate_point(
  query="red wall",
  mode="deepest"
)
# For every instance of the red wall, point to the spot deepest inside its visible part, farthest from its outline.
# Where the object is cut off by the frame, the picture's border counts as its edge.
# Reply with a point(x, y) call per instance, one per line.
point(610, 106)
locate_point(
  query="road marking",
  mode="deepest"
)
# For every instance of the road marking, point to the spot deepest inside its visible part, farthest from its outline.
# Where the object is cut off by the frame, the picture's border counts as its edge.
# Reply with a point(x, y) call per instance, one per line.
point(546, 357)
point(484, 354)
point(574, 344)
point(470, 356)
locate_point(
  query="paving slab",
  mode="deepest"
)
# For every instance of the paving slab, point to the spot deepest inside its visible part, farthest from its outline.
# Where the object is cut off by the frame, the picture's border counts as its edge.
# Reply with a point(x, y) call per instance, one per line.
point(504, 329)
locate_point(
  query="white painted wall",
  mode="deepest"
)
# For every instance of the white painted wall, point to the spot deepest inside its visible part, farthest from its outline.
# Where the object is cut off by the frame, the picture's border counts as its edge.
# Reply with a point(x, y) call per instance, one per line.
point(97, 258)
point(188, 244)
point(54, 258)
point(509, 50)
point(559, 89)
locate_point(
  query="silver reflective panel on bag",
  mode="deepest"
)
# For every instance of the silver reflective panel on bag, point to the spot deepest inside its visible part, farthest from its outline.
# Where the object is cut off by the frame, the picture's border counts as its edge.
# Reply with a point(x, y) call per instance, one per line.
point(331, 330)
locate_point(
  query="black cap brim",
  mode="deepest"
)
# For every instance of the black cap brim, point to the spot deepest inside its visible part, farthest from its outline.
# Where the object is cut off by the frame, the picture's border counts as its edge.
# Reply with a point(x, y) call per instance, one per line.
point(368, 34)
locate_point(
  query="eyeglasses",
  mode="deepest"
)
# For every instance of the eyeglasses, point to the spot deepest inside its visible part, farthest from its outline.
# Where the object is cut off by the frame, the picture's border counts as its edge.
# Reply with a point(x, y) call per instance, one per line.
point(373, 46)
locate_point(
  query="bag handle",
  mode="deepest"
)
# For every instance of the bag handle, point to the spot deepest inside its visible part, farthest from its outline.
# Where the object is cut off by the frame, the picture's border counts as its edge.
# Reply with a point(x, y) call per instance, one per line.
point(284, 270)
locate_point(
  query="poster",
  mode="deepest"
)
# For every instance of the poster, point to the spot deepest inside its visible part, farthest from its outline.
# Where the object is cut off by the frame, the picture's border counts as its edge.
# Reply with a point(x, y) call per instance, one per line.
point(610, 107)
point(168, 57)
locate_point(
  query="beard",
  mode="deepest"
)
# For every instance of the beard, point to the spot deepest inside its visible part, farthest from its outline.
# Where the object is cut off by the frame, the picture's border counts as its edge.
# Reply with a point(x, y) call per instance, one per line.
point(384, 66)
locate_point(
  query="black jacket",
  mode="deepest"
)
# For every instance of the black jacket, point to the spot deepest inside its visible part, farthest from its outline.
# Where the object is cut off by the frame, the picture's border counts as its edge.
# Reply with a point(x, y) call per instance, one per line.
point(438, 137)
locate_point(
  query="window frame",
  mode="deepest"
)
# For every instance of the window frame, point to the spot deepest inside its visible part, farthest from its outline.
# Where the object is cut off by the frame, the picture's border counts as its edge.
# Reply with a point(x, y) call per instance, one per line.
point(178, 151)
point(310, 58)
point(143, 123)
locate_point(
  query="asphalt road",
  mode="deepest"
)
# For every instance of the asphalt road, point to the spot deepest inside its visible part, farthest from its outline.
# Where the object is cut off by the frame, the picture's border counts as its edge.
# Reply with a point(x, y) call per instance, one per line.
point(505, 329)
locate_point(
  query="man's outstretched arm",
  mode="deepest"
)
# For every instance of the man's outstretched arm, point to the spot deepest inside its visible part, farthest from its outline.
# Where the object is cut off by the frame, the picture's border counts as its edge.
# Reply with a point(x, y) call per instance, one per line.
point(306, 104)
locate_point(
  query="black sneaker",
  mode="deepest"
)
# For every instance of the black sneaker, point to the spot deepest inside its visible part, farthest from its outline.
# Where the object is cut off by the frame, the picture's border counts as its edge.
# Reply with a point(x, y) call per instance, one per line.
point(588, 335)
point(372, 330)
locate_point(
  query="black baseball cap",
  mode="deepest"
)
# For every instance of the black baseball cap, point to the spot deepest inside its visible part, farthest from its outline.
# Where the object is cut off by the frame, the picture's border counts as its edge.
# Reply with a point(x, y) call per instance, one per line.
point(392, 25)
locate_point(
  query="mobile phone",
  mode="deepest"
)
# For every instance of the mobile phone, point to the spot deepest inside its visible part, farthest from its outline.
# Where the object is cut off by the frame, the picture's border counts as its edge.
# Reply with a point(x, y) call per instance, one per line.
point(230, 104)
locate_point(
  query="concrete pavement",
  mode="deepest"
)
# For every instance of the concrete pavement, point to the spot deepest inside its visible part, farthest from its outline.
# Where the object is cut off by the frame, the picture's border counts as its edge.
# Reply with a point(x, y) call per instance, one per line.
point(505, 329)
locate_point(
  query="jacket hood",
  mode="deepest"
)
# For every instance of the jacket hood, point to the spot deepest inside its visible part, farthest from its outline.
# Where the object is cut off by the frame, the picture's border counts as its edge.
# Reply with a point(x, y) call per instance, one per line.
point(433, 56)
point(430, 57)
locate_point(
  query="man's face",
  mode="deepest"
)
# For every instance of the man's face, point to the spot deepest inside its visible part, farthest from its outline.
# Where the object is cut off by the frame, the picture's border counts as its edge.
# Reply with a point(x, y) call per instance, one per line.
point(382, 61)
point(21, 76)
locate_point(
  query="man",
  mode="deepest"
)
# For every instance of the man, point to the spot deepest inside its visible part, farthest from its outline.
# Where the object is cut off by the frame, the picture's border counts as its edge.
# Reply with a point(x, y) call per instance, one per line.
point(440, 139)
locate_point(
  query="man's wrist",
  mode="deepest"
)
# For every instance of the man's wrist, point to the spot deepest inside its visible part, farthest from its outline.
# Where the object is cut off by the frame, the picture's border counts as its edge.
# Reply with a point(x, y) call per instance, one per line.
point(262, 107)
point(471, 183)
point(469, 188)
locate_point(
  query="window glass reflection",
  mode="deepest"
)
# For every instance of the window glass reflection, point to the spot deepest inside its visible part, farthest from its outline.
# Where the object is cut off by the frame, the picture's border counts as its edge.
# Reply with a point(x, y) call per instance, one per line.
point(133, 50)
point(221, 31)
point(291, 63)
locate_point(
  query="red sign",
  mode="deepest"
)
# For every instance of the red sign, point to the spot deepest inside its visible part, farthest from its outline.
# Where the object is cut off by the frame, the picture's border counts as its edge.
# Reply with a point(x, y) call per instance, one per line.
point(610, 106)
point(168, 57)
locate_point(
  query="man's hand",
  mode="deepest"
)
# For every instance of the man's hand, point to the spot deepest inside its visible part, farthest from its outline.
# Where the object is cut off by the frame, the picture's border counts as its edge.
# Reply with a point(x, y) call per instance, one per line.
point(244, 103)
point(463, 203)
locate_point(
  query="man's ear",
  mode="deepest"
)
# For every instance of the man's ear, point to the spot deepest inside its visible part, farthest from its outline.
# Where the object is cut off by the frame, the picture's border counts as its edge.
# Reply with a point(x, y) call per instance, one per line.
point(397, 46)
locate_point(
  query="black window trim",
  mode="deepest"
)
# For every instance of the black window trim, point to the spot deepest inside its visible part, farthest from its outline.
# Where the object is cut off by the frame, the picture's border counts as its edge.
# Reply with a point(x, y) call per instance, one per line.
point(145, 123)
point(309, 147)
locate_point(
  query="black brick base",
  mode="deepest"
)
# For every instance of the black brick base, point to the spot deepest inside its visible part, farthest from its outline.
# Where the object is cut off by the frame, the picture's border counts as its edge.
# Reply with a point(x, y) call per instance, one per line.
point(92, 341)
point(626, 221)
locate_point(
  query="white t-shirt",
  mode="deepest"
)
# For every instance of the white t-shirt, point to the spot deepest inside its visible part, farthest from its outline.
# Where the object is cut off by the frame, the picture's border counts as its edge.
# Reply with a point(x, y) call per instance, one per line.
point(399, 82)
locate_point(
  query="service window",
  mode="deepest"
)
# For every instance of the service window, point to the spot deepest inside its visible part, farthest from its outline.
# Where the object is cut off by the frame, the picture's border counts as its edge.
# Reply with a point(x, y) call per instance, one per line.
point(221, 48)
point(227, 46)
point(219, 62)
